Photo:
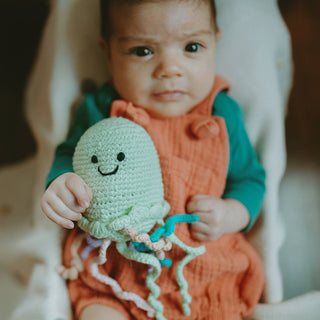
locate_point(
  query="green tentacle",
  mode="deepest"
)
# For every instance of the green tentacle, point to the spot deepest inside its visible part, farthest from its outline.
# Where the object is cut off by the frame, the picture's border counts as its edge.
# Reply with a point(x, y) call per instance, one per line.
point(191, 254)
point(152, 276)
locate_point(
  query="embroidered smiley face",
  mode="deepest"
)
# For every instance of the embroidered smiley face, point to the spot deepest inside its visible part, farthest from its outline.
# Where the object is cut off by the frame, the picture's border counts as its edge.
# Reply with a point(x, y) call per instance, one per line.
point(120, 157)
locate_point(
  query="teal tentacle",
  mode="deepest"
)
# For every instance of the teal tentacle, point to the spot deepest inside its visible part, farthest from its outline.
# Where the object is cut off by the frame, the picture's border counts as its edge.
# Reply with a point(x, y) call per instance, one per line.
point(191, 254)
point(168, 228)
point(152, 276)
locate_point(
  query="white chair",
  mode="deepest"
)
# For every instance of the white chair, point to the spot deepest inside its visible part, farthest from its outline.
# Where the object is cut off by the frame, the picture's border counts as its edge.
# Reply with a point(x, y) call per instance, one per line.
point(253, 54)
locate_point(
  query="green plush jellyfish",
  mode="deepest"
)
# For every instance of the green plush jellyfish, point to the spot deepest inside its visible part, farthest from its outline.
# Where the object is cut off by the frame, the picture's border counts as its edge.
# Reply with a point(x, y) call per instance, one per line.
point(118, 161)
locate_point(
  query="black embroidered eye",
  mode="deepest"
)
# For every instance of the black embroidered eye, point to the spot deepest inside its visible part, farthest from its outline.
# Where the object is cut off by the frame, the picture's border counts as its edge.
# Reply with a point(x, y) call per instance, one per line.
point(94, 159)
point(121, 156)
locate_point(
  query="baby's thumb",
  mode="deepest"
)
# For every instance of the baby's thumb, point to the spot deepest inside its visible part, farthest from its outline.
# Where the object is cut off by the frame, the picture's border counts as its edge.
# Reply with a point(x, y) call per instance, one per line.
point(82, 193)
point(89, 191)
point(84, 196)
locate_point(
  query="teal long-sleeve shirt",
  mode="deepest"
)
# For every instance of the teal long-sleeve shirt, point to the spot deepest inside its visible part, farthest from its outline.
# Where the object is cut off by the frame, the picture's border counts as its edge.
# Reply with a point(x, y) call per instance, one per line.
point(245, 179)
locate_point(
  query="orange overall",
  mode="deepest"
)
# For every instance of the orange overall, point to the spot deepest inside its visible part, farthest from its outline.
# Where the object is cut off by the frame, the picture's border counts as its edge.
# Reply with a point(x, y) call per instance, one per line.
point(226, 282)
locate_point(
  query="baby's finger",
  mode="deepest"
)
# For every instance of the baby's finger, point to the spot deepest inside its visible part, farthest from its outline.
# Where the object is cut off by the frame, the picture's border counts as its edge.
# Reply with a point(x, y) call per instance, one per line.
point(200, 227)
point(77, 187)
point(89, 191)
point(69, 200)
point(53, 216)
point(61, 209)
point(204, 236)
point(205, 217)
point(203, 204)
point(200, 236)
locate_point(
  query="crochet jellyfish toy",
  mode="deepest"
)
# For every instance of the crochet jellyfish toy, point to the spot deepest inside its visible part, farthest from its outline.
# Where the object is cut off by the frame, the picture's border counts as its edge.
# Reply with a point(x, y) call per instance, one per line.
point(118, 161)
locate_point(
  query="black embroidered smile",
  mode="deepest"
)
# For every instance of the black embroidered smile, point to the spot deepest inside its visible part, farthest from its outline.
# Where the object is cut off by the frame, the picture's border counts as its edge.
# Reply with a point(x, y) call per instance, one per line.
point(120, 157)
point(108, 173)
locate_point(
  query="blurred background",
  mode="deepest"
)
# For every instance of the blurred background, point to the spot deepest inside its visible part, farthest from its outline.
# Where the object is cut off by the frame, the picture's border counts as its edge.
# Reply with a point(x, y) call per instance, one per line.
point(21, 23)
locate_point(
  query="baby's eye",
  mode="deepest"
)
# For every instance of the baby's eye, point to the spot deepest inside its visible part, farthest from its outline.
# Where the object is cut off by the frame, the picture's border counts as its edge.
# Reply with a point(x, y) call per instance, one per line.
point(94, 159)
point(141, 51)
point(121, 156)
point(193, 47)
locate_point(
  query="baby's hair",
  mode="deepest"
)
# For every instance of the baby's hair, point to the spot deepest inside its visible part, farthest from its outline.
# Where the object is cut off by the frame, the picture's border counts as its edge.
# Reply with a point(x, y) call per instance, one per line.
point(105, 9)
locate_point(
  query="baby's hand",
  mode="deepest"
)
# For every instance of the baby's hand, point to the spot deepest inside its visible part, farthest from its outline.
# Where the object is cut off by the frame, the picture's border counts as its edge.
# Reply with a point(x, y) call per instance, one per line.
point(216, 217)
point(65, 199)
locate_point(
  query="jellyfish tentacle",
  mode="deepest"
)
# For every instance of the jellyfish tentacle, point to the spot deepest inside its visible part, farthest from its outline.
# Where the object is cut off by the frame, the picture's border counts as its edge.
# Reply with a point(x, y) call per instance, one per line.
point(191, 254)
point(154, 294)
point(91, 245)
point(129, 296)
point(152, 276)
point(158, 247)
point(77, 266)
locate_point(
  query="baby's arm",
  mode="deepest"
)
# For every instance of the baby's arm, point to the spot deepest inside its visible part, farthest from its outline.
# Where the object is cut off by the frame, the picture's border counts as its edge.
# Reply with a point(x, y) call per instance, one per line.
point(216, 217)
point(243, 195)
point(65, 199)
point(67, 195)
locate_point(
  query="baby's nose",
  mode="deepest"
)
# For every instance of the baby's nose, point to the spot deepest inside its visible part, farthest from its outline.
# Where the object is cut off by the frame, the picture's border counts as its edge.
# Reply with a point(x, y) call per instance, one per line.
point(168, 67)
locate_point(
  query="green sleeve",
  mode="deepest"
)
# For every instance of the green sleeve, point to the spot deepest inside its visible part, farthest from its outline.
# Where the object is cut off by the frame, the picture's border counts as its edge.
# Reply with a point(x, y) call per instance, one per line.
point(94, 107)
point(246, 176)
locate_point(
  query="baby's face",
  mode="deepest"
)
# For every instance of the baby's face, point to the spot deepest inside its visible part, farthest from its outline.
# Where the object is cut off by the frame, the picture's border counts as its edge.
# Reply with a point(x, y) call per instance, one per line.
point(161, 55)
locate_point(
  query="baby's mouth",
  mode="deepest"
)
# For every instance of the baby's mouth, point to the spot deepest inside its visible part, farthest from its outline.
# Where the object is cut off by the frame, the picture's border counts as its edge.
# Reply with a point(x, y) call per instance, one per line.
point(169, 95)
point(108, 173)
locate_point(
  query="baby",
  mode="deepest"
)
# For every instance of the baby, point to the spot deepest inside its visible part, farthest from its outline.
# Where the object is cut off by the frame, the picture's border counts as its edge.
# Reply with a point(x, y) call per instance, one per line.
point(160, 54)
